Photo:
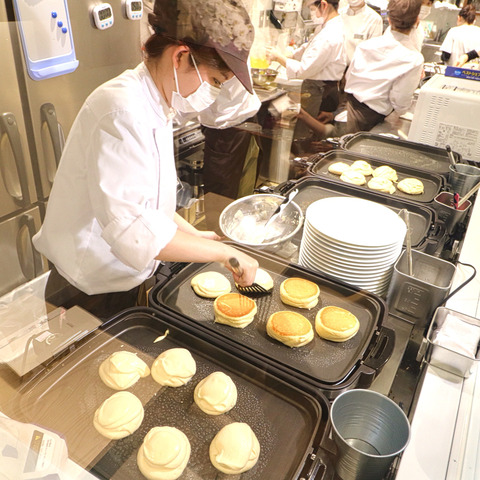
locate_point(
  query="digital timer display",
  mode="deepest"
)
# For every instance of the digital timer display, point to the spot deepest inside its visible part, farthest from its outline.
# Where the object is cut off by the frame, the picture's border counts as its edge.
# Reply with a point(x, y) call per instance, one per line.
point(136, 6)
point(105, 13)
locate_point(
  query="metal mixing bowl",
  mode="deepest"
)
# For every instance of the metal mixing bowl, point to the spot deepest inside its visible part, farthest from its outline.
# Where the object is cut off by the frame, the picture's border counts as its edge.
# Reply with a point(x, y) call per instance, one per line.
point(263, 76)
point(243, 221)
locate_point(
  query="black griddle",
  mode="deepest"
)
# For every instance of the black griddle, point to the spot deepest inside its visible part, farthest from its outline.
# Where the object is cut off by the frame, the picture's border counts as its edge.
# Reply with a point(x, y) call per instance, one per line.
point(427, 231)
point(288, 417)
point(327, 365)
point(400, 152)
point(432, 183)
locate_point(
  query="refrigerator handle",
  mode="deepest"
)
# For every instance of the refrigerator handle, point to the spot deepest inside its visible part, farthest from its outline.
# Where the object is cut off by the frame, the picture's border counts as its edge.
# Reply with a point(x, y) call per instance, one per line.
point(9, 126)
point(48, 115)
point(29, 258)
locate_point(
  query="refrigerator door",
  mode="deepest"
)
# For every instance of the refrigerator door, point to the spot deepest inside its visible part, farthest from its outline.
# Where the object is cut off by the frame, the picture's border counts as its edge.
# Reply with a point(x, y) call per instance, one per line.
point(19, 262)
point(54, 102)
point(17, 188)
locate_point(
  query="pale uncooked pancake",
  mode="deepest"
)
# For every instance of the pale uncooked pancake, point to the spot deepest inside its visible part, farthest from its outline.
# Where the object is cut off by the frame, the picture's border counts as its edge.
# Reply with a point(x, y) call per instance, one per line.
point(336, 324)
point(382, 184)
point(290, 328)
point(263, 279)
point(386, 172)
point(299, 292)
point(412, 186)
point(122, 369)
point(354, 177)
point(174, 367)
point(338, 168)
point(362, 167)
point(234, 449)
point(119, 415)
point(164, 454)
point(210, 284)
point(234, 309)
point(215, 394)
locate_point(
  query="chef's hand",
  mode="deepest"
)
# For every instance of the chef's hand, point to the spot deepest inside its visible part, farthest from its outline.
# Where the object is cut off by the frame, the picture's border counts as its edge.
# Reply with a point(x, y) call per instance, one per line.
point(325, 117)
point(208, 234)
point(248, 267)
point(462, 60)
point(274, 54)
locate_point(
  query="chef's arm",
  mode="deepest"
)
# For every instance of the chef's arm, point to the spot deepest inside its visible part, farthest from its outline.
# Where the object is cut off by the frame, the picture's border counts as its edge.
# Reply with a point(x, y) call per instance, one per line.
point(313, 123)
point(186, 247)
point(445, 56)
point(466, 57)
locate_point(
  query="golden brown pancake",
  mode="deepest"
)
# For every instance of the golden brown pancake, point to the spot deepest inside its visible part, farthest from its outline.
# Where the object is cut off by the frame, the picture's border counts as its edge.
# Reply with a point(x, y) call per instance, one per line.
point(234, 309)
point(299, 292)
point(336, 324)
point(290, 328)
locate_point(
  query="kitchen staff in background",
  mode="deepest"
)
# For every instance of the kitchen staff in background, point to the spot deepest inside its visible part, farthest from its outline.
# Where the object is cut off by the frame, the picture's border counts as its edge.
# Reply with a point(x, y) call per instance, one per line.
point(385, 71)
point(320, 62)
point(111, 217)
point(463, 38)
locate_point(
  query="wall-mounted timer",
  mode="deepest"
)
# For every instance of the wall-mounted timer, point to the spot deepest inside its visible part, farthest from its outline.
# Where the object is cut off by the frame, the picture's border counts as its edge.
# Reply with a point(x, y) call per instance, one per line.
point(133, 9)
point(103, 16)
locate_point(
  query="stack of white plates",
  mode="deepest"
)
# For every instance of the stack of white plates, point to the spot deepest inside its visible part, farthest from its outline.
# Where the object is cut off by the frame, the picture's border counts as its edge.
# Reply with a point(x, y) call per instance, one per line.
point(354, 240)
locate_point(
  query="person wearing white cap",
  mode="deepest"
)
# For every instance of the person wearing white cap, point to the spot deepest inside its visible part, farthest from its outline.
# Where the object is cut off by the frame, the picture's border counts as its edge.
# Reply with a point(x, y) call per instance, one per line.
point(111, 217)
point(320, 62)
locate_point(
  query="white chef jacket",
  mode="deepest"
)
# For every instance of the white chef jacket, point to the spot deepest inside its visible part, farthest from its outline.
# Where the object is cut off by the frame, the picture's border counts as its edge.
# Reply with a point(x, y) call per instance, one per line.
point(112, 205)
point(460, 40)
point(358, 26)
point(322, 57)
point(384, 73)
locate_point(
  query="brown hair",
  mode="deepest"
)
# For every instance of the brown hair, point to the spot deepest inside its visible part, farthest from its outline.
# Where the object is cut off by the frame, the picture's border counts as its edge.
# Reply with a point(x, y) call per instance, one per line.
point(403, 14)
point(468, 13)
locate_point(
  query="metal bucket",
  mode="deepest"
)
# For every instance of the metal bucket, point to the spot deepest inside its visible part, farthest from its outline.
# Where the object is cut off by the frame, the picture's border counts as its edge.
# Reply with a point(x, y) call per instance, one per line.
point(370, 430)
point(451, 216)
point(415, 298)
point(463, 178)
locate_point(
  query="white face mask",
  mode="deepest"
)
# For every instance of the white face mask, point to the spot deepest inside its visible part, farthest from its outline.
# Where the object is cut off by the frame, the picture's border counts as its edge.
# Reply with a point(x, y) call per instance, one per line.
point(356, 3)
point(197, 101)
point(424, 11)
point(313, 15)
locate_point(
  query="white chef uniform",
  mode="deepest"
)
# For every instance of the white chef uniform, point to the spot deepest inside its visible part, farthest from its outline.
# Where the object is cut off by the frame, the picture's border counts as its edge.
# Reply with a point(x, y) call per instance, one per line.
point(112, 205)
point(460, 40)
point(359, 25)
point(322, 57)
point(384, 73)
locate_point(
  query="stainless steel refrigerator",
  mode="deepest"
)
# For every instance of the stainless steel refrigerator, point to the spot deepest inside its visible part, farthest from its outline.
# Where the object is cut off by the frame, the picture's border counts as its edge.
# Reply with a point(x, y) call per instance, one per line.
point(37, 114)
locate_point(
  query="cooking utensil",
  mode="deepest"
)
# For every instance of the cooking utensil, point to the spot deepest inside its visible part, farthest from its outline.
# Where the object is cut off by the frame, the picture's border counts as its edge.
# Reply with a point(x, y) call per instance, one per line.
point(453, 163)
point(281, 208)
point(254, 287)
point(408, 238)
point(468, 195)
point(263, 76)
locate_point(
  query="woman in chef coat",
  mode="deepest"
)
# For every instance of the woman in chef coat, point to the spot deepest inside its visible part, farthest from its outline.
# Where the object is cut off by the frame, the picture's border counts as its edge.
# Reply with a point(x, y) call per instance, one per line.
point(463, 38)
point(111, 217)
point(320, 62)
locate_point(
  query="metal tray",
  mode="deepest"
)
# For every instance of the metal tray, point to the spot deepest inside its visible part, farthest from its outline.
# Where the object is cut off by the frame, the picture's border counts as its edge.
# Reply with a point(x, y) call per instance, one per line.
point(433, 183)
point(326, 365)
point(288, 418)
point(400, 152)
point(426, 234)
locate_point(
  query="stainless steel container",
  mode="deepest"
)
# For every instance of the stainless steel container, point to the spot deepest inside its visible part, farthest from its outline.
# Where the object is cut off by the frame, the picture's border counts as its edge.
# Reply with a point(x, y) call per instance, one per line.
point(370, 430)
point(447, 212)
point(415, 298)
point(463, 178)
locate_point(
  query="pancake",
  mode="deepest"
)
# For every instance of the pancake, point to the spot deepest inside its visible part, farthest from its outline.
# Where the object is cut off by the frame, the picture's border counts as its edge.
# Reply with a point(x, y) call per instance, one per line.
point(381, 184)
point(210, 284)
point(234, 309)
point(122, 369)
point(119, 415)
point(362, 167)
point(299, 292)
point(263, 279)
point(174, 367)
point(412, 186)
point(354, 177)
point(290, 328)
point(234, 449)
point(164, 454)
point(215, 394)
point(336, 324)
point(338, 168)
point(386, 172)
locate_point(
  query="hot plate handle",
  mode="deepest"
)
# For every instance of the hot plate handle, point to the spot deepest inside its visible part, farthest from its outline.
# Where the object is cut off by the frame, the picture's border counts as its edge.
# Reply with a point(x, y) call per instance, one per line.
point(383, 349)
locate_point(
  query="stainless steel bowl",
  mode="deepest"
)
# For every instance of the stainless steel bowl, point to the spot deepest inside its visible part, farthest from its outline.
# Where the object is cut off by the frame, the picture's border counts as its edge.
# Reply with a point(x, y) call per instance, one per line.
point(263, 76)
point(243, 221)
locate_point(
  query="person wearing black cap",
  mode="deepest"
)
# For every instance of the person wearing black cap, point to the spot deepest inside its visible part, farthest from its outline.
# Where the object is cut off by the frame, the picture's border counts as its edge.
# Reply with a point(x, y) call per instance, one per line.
point(385, 70)
point(320, 62)
point(111, 216)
